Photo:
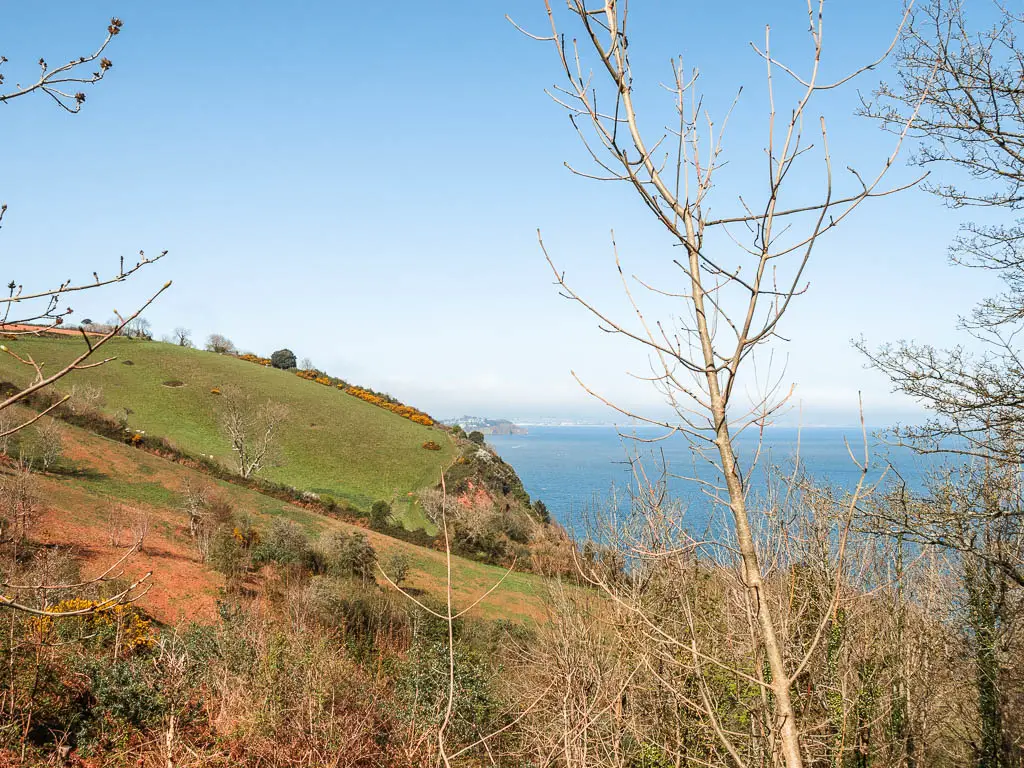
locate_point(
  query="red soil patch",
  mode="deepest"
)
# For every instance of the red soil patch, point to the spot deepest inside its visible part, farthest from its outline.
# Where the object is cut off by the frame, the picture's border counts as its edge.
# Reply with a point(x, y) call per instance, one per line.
point(180, 588)
point(22, 329)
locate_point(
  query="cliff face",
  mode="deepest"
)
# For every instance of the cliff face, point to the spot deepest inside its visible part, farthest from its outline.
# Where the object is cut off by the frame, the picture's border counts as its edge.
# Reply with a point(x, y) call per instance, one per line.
point(493, 518)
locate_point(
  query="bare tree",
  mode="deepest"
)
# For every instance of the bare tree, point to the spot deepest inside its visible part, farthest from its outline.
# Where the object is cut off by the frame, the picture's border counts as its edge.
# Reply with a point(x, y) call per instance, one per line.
point(740, 274)
point(8, 420)
point(253, 428)
point(117, 521)
point(195, 502)
point(222, 345)
point(971, 133)
point(139, 328)
point(19, 503)
point(183, 337)
point(139, 524)
point(450, 615)
point(85, 399)
point(45, 445)
point(971, 124)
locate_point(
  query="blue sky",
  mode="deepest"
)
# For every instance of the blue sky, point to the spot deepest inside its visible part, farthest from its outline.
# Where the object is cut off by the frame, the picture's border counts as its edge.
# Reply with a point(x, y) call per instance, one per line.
point(363, 184)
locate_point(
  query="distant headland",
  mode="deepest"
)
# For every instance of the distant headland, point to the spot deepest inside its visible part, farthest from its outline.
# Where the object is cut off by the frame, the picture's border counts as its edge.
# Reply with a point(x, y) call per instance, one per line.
point(486, 426)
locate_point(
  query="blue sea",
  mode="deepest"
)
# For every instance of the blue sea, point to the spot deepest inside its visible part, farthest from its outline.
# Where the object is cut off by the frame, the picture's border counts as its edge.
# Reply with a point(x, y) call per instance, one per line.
point(575, 468)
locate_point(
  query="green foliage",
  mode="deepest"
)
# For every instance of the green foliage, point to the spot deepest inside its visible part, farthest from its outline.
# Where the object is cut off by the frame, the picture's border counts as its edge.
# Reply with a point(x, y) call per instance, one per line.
point(231, 547)
point(283, 359)
point(349, 554)
point(650, 756)
point(227, 555)
point(126, 692)
point(476, 437)
point(286, 544)
point(458, 431)
point(380, 515)
point(396, 566)
point(422, 685)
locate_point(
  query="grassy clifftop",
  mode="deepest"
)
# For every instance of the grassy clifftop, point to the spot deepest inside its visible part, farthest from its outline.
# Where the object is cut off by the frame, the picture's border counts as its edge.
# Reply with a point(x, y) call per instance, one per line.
point(332, 443)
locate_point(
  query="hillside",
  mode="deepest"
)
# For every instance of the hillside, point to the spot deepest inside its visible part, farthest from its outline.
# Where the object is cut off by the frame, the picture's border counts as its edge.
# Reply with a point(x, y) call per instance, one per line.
point(332, 443)
point(97, 478)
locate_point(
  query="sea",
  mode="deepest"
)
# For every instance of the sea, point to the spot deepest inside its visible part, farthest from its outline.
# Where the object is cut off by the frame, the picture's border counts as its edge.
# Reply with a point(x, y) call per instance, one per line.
point(576, 470)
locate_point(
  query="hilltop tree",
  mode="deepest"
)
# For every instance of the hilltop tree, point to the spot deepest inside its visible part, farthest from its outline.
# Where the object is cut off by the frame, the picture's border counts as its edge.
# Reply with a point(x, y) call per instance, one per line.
point(183, 337)
point(65, 86)
point(139, 328)
point(253, 429)
point(220, 344)
point(284, 359)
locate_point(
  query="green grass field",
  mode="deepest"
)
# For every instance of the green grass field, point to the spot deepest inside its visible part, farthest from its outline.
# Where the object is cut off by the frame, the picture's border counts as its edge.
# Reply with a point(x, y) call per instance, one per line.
point(333, 443)
point(97, 474)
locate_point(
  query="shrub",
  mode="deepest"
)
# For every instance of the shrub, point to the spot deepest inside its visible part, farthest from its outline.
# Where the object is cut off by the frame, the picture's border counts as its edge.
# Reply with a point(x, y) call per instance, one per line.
point(476, 437)
point(283, 359)
point(231, 546)
point(285, 543)
point(227, 555)
point(423, 680)
point(430, 445)
point(122, 627)
point(397, 567)
point(125, 692)
point(458, 431)
point(380, 514)
point(349, 555)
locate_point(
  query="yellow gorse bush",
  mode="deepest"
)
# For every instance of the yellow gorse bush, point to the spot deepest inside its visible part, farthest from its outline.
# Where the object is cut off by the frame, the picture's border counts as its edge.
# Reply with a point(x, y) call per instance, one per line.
point(405, 411)
point(136, 631)
point(264, 361)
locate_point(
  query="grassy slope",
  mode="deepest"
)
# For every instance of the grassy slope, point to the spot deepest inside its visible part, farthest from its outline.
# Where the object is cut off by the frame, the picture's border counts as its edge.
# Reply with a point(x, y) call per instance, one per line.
point(99, 474)
point(333, 443)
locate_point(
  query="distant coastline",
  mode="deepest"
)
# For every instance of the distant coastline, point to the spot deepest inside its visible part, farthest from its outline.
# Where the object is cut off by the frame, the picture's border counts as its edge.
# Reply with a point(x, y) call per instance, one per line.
point(487, 426)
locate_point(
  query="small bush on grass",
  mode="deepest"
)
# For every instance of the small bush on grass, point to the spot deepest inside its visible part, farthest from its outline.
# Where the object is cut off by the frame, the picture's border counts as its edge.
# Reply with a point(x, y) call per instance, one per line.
point(380, 515)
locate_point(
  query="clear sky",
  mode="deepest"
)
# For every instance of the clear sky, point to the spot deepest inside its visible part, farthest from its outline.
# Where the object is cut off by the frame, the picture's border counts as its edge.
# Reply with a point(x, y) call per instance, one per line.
point(363, 182)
